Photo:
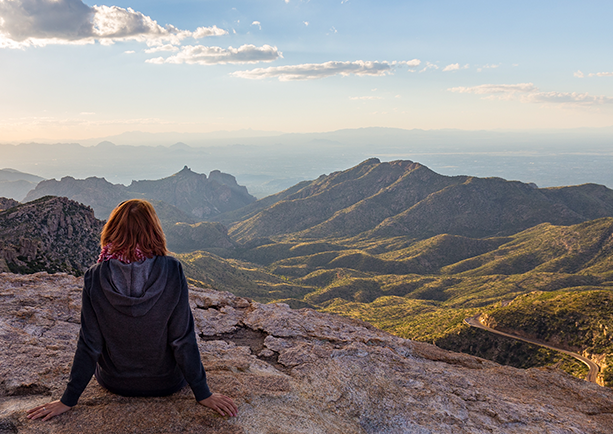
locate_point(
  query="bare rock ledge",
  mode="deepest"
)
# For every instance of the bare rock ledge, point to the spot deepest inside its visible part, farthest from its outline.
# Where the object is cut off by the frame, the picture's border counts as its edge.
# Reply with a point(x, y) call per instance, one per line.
point(290, 371)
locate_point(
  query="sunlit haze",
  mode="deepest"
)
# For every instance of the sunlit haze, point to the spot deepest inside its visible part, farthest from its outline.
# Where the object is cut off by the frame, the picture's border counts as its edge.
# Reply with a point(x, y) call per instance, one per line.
point(73, 71)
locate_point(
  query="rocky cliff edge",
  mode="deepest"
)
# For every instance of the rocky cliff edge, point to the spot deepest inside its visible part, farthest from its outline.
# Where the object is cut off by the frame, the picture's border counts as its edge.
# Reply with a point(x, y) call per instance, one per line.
point(289, 371)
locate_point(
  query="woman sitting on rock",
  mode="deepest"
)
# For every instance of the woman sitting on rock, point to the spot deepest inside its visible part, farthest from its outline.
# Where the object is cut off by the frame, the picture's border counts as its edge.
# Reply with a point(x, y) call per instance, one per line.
point(137, 330)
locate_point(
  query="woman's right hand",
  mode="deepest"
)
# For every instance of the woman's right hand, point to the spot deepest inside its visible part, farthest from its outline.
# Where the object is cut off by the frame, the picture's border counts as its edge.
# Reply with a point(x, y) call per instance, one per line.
point(47, 411)
point(221, 404)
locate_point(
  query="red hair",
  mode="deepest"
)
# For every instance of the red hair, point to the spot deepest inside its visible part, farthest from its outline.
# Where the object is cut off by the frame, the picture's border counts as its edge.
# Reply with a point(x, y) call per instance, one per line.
point(133, 224)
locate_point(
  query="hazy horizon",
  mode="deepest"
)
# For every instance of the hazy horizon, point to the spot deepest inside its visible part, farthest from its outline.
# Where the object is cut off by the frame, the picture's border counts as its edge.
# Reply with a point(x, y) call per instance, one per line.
point(268, 164)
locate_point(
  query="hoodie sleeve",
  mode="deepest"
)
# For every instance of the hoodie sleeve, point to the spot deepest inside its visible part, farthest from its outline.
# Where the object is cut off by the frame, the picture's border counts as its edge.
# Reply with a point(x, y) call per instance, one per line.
point(182, 340)
point(89, 348)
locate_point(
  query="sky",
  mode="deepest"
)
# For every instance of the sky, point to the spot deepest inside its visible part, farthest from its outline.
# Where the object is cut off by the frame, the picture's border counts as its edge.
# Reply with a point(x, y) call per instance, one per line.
point(73, 70)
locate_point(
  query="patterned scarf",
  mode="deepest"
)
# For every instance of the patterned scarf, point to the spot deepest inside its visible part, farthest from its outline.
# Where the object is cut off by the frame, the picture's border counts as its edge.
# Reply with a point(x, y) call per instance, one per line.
point(120, 256)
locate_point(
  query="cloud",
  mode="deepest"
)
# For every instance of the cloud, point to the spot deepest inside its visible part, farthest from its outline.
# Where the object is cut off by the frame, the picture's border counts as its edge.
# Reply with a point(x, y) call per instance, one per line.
point(529, 93)
point(203, 32)
point(311, 71)
point(428, 66)
point(306, 23)
point(167, 47)
point(492, 66)
point(257, 23)
point(414, 62)
point(454, 67)
point(580, 74)
point(496, 88)
point(26, 23)
point(216, 55)
point(569, 98)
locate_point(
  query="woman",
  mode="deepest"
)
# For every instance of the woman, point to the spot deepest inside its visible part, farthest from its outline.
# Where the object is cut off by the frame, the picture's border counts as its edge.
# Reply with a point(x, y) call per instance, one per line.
point(137, 330)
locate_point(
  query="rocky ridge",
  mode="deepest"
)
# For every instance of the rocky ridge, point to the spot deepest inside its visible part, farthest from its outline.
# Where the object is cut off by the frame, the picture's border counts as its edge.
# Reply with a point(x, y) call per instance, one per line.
point(6, 203)
point(195, 194)
point(290, 371)
point(402, 198)
point(51, 234)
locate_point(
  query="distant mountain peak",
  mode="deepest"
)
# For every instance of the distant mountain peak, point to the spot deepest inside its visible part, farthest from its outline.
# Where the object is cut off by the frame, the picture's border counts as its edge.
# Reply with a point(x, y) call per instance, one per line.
point(106, 144)
point(187, 171)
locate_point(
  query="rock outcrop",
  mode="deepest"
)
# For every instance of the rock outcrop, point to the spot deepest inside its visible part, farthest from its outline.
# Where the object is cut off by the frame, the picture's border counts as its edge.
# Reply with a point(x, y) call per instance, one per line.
point(98, 193)
point(187, 196)
point(289, 371)
point(49, 234)
point(194, 193)
point(6, 203)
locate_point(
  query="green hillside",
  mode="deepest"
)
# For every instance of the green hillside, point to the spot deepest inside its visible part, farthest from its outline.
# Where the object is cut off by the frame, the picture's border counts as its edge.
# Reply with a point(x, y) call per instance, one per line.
point(375, 200)
point(424, 289)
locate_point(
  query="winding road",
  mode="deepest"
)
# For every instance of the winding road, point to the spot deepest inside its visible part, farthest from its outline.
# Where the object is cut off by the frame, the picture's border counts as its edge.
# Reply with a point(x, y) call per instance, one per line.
point(475, 321)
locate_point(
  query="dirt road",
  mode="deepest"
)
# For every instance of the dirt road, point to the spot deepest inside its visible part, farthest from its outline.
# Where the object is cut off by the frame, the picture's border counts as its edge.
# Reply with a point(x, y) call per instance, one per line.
point(475, 321)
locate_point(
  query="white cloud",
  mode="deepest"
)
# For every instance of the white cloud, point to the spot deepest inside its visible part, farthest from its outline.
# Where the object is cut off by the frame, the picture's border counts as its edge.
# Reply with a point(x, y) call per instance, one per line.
point(491, 66)
point(167, 47)
point(454, 67)
point(26, 23)
point(203, 32)
point(311, 71)
point(428, 66)
point(529, 93)
point(414, 62)
point(129, 52)
point(568, 98)
point(496, 88)
point(580, 74)
point(306, 23)
point(216, 55)
point(257, 23)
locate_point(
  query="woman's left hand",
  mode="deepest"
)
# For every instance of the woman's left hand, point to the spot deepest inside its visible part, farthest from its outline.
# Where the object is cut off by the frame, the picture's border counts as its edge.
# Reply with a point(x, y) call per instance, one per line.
point(47, 411)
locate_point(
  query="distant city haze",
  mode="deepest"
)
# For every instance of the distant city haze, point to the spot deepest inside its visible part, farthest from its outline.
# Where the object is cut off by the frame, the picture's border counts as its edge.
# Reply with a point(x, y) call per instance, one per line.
point(270, 162)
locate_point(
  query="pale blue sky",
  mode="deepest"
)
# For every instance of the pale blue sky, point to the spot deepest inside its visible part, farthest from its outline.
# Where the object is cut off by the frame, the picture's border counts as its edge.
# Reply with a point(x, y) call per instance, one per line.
point(73, 71)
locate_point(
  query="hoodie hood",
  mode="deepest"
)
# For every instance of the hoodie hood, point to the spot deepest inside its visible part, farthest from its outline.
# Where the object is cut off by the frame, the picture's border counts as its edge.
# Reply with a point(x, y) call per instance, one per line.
point(133, 289)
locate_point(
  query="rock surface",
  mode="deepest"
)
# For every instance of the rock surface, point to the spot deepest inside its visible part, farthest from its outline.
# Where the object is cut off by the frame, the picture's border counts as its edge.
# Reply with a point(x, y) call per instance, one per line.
point(289, 371)
point(51, 234)
point(6, 203)
point(186, 196)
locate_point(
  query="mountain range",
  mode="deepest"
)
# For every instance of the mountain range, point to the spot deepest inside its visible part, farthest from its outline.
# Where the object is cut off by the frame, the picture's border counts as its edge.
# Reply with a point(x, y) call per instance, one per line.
point(195, 194)
point(409, 250)
point(15, 184)
point(403, 198)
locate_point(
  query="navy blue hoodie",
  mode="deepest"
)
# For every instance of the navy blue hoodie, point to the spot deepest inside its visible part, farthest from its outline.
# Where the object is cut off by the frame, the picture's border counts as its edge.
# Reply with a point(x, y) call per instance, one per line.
point(137, 334)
